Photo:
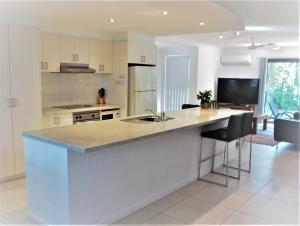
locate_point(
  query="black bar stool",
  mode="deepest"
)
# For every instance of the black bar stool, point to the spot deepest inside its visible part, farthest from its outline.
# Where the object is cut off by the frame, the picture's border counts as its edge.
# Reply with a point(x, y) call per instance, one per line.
point(186, 106)
point(247, 125)
point(230, 133)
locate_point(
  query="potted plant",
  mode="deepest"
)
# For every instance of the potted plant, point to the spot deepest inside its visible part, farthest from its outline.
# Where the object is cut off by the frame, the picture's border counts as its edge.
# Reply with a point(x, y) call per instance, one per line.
point(205, 98)
point(101, 93)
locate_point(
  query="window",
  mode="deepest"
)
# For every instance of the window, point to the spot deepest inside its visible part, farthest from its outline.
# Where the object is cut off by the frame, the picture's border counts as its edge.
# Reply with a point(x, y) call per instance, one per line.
point(283, 84)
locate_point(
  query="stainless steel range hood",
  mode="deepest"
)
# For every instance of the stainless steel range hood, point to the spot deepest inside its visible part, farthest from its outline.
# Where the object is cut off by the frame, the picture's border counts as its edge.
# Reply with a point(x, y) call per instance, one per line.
point(75, 68)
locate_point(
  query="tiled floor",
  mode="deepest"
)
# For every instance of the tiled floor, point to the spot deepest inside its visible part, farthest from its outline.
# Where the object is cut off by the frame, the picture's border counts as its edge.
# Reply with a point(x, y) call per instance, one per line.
point(269, 195)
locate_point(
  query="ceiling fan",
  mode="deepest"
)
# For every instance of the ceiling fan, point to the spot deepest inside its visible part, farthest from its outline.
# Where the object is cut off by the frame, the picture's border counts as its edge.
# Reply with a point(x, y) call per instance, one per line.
point(257, 46)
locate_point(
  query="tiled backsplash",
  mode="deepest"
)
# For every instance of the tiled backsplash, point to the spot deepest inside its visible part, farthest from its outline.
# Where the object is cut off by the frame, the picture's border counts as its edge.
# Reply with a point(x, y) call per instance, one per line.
point(68, 89)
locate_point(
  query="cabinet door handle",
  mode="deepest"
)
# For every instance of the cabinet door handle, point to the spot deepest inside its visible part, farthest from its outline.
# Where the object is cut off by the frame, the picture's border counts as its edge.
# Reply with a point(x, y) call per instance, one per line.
point(144, 59)
point(42, 65)
point(77, 57)
point(141, 59)
point(73, 57)
point(9, 102)
point(46, 65)
point(99, 67)
point(102, 67)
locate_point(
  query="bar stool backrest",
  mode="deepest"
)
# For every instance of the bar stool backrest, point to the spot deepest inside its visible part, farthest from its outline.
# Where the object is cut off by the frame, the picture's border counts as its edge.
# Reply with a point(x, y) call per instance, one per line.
point(234, 127)
point(186, 106)
point(247, 123)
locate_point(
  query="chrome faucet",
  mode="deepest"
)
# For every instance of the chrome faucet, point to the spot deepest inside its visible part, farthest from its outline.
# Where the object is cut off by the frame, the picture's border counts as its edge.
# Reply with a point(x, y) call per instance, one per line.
point(161, 117)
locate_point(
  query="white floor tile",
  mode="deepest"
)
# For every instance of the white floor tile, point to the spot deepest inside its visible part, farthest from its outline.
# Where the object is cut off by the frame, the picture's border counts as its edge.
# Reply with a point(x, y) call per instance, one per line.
point(17, 217)
point(197, 211)
point(215, 215)
point(239, 218)
point(275, 211)
point(167, 202)
point(163, 219)
point(12, 199)
point(281, 192)
point(21, 181)
point(192, 188)
point(8, 185)
point(138, 217)
point(286, 179)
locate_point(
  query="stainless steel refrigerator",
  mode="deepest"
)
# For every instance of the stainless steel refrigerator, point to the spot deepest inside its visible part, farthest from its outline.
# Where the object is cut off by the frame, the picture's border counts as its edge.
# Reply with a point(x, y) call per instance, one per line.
point(141, 89)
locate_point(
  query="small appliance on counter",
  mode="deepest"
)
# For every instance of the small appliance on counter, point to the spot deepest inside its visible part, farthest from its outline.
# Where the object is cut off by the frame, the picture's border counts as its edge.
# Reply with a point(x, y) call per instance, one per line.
point(101, 96)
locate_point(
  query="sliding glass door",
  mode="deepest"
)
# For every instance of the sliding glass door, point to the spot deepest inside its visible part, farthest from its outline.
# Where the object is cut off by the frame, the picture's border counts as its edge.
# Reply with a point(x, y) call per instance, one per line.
point(282, 85)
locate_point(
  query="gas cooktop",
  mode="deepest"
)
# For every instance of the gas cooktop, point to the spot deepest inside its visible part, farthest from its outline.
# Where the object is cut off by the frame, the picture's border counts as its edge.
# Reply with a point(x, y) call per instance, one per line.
point(75, 106)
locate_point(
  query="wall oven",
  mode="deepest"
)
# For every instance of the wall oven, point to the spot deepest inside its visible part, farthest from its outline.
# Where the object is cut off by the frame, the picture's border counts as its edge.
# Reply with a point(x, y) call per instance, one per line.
point(109, 114)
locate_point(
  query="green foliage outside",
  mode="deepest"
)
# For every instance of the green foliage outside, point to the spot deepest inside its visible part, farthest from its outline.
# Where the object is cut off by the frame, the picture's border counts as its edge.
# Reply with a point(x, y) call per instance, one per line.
point(283, 86)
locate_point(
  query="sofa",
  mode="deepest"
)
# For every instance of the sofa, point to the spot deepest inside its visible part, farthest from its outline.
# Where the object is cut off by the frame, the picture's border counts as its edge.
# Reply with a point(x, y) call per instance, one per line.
point(287, 130)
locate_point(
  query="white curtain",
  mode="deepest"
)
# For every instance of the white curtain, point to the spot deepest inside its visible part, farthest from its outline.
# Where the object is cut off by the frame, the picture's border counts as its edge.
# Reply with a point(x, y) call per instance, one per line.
point(177, 79)
point(262, 85)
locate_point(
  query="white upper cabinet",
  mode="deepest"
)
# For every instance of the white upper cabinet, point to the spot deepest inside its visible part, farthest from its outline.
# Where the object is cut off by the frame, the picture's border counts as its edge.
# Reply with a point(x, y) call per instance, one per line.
point(141, 53)
point(82, 50)
point(50, 56)
point(74, 50)
point(100, 56)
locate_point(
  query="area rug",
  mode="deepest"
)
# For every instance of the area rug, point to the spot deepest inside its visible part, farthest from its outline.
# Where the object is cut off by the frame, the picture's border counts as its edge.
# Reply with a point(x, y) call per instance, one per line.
point(262, 139)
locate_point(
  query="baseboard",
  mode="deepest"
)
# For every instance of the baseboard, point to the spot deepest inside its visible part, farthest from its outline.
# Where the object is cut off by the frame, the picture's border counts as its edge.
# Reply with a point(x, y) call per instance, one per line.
point(10, 178)
point(146, 202)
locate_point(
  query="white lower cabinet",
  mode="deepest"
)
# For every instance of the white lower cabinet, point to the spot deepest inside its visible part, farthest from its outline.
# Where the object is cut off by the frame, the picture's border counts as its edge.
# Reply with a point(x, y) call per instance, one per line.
point(20, 94)
point(57, 119)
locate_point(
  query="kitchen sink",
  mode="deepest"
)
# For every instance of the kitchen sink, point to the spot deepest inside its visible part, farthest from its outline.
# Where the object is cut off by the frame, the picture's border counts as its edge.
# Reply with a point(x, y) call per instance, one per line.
point(142, 119)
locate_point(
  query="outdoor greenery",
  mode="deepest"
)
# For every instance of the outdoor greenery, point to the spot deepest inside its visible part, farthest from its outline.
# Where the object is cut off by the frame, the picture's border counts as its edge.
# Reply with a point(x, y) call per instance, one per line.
point(283, 85)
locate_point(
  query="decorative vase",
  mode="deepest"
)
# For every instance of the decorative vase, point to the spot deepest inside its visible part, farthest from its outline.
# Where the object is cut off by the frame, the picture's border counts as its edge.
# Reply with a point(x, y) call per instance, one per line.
point(205, 105)
point(101, 100)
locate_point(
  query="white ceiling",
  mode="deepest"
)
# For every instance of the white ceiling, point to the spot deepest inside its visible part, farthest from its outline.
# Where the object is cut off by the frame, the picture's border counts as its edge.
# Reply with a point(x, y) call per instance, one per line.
point(280, 19)
point(135, 16)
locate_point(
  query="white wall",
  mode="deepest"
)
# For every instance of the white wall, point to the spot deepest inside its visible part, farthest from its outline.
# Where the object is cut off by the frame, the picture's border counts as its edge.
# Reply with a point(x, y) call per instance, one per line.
point(164, 50)
point(253, 70)
point(208, 65)
point(60, 89)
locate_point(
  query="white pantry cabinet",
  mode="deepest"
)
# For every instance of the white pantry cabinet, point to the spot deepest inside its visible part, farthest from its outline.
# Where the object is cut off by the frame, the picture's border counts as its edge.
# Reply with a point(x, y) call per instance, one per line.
point(74, 50)
point(20, 94)
point(7, 167)
point(100, 56)
point(141, 53)
point(50, 53)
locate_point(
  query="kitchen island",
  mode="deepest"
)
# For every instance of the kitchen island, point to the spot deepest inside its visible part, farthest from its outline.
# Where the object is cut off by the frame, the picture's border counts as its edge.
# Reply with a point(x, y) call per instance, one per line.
point(96, 173)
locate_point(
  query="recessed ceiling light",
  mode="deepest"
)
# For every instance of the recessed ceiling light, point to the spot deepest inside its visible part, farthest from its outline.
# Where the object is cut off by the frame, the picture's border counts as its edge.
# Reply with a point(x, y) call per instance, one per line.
point(202, 23)
point(165, 13)
point(276, 47)
point(221, 36)
point(112, 20)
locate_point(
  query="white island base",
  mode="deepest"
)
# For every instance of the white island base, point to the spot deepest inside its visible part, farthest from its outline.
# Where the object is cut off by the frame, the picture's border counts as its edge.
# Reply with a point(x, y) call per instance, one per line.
point(68, 187)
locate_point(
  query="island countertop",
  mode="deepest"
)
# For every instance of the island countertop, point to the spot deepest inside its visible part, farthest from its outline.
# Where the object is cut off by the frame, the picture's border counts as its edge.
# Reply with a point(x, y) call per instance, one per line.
point(87, 137)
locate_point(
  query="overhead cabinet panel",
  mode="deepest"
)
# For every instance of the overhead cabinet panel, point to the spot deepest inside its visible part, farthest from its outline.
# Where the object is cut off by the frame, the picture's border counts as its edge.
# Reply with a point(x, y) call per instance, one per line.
point(106, 56)
point(81, 50)
point(67, 49)
point(100, 56)
point(141, 53)
point(50, 53)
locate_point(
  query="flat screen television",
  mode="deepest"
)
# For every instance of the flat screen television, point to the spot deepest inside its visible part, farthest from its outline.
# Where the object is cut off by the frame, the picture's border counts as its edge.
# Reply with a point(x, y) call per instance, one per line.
point(238, 91)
